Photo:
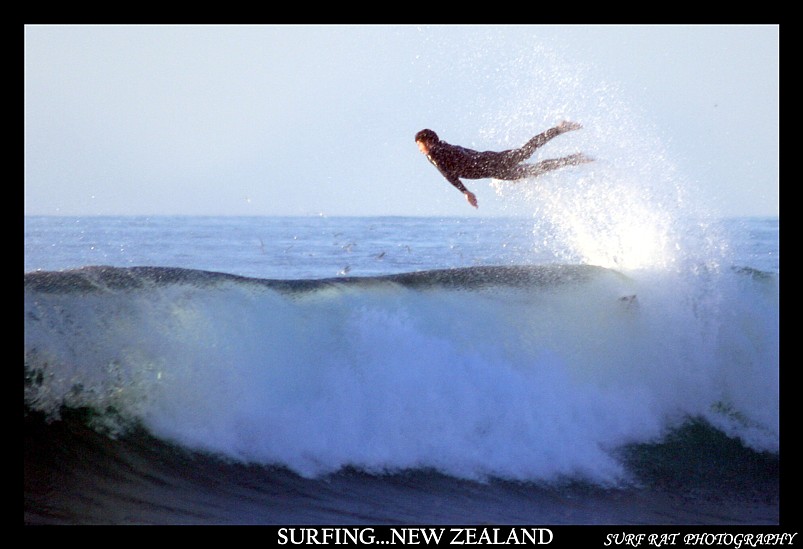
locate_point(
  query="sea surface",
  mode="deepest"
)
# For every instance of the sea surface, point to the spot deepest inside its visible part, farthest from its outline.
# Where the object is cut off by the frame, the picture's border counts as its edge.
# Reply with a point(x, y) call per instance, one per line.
point(401, 370)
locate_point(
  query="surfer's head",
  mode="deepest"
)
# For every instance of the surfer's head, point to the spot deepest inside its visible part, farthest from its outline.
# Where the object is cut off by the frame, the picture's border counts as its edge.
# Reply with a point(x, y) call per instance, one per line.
point(425, 139)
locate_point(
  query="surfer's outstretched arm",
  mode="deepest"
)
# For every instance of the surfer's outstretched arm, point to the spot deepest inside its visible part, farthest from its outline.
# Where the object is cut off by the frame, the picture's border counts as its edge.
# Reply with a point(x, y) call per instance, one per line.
point(471, 198)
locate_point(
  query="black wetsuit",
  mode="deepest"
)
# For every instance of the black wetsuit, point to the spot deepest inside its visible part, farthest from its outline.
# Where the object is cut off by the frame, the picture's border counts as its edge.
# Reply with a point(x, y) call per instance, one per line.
point(455, 162)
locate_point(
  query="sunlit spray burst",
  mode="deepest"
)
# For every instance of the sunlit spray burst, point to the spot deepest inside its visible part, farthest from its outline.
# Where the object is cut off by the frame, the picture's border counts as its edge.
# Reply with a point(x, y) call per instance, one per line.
point(629, 209)
point(600, 225)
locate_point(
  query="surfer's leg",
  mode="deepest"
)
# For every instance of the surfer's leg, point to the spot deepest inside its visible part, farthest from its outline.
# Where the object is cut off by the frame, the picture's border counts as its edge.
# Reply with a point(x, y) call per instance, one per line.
point(514, 156)
point(524, 171)
point(519, 155)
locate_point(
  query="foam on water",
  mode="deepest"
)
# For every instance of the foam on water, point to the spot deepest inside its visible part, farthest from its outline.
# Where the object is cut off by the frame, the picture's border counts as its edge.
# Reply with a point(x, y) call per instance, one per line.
point(539, 382)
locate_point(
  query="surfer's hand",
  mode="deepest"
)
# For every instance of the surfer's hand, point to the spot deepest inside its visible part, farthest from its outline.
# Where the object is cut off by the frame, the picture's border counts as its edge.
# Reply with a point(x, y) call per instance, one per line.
point(472, 199)
point(567, 126)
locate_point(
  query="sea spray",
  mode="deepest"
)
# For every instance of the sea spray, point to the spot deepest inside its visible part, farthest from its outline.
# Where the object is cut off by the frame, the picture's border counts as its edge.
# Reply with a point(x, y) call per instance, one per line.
point(632, 210)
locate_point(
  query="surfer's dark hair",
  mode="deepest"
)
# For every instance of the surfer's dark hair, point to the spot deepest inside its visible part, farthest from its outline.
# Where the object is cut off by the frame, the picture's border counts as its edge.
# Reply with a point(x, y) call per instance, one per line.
point(427, 136)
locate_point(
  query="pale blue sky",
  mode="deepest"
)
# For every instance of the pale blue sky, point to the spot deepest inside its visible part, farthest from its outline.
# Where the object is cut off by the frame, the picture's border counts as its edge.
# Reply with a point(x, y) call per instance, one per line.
point(303, 120)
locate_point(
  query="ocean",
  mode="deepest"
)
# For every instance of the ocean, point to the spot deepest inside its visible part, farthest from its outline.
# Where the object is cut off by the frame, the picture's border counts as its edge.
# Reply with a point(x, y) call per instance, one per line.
point(401, 370)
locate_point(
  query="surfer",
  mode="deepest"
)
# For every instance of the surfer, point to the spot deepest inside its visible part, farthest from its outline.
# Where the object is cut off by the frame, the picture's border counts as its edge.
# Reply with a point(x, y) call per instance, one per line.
point(455, 162)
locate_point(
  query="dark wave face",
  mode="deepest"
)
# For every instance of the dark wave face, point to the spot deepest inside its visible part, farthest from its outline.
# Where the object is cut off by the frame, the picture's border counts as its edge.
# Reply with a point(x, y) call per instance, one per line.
point(76, 475)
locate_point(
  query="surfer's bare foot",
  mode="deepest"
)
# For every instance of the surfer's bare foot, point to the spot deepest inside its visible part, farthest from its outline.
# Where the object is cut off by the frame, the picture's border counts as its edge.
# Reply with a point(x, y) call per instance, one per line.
point(567, 126)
